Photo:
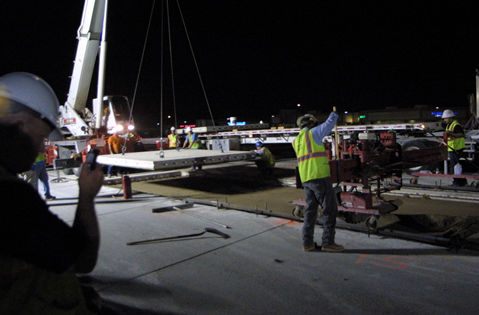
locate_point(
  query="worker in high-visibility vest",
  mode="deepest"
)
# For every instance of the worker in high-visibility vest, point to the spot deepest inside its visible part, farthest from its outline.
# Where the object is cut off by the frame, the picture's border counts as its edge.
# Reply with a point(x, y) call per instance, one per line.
point(40, 169)
point(456, 143)
point(172, 138)
point(313, 165)
point(267, 162)
point(192, 142)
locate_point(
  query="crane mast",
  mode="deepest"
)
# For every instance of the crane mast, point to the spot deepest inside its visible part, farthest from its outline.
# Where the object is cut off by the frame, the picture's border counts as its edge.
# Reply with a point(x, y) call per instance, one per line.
point(74, 114)
point(89, 36)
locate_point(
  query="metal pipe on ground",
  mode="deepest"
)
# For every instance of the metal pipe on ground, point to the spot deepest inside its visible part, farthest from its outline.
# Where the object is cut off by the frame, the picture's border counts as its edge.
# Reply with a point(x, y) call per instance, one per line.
point(210, 230)
point(182, 207)
point(429, 239)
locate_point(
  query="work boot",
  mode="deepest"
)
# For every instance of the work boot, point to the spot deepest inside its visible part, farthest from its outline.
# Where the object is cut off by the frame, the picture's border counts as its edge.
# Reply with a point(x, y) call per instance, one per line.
point(312, 248)
point(332, 248)
point(50, 197)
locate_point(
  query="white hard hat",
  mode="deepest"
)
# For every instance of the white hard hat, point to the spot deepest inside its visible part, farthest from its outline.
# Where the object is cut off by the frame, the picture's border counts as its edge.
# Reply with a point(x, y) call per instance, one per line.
point(34, 93)
point(172, 128)
point(448, 114)
point(188, 129)
point(304, 120)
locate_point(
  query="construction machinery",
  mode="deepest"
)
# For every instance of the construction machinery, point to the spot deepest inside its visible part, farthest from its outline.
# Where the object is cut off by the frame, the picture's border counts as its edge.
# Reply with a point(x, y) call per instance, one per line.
point(366, 166)
point(81, 126)
point(111, 111)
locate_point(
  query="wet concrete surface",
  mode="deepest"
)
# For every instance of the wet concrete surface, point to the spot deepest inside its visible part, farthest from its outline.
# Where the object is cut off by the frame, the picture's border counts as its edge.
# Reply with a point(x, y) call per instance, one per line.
point(242, 184)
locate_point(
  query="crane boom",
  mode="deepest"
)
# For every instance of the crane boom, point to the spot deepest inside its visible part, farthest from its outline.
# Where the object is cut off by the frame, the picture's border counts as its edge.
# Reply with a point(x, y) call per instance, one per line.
point(89, 35)
point(74, 114)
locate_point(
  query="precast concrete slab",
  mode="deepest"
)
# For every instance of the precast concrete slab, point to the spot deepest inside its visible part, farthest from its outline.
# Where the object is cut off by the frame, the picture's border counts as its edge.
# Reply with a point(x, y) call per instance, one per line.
point(261, 268)
point(173, 159)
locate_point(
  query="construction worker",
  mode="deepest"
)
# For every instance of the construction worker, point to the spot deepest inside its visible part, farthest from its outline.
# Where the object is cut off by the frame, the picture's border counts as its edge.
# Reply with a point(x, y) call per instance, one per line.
point(104, 119)
point(267, 162)
point(313, 165)
point(172, 139)
point(116, 145)
point(133, 142)
point(40, 169)
point(191, 141)
point(456, 142)
point(40, 254)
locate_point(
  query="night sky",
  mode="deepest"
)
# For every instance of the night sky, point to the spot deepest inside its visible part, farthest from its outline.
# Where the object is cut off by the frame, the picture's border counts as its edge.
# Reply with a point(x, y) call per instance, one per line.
point(257, 57)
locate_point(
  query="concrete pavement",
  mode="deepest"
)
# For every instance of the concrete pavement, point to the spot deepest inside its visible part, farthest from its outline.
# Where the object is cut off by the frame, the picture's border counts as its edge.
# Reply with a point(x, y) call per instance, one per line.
point(261, 268)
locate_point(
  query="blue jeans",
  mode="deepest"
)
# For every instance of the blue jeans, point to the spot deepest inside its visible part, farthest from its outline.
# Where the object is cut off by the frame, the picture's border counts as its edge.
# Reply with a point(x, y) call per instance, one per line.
point(110, 169)
point(42, 175)
point(319, 192)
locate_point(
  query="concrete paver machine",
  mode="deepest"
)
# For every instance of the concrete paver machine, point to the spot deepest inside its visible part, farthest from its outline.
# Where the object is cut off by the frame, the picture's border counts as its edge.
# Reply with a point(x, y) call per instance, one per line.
point(368, 165)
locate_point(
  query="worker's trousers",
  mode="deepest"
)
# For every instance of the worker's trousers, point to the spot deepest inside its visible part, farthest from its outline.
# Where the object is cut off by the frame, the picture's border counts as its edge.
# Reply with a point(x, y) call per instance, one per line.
point(319, 192)
point(42, 175)
point(454, 157)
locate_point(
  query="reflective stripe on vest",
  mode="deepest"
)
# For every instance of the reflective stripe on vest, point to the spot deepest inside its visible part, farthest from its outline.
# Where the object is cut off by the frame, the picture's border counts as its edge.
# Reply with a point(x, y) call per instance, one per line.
point(312, 159)
point(172, 141)
point(455, 143)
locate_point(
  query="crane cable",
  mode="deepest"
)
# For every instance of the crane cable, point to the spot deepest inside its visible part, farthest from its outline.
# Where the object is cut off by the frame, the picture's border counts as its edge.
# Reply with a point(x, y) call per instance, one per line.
point(162, 153)
point(141, 62)
point(171, 66)
point(130, 118)
point(198, 71)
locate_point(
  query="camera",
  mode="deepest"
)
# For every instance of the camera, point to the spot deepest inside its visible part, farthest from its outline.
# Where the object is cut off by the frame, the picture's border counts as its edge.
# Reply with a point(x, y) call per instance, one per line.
point(91, 158)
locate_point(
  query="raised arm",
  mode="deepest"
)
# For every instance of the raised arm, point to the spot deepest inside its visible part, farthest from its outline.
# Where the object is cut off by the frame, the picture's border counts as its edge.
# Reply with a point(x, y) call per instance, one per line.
point(86, 222)
point(321, 131)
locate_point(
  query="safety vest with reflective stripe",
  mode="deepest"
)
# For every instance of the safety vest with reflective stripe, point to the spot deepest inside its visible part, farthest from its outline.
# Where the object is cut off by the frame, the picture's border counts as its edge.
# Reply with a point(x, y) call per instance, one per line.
point(172, 140)
point(455, 143)
point(313, 162)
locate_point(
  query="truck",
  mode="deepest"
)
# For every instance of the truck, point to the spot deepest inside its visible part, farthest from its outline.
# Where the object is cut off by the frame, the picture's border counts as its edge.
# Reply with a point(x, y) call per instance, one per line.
point(410, 136)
